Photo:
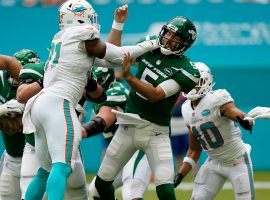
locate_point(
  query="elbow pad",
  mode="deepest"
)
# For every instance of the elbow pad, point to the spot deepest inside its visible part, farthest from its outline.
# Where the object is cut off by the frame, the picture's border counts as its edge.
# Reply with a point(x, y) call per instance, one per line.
point(95, 126)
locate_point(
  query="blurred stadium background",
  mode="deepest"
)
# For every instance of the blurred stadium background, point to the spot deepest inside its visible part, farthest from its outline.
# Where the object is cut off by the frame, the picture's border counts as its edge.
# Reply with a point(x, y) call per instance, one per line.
point(233, 39)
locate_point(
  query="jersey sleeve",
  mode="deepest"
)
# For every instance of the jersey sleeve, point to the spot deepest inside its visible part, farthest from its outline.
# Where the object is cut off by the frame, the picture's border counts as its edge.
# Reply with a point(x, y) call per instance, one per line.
point(87, 32)
point(220, 97)
point(187, 75)
point(33, 71)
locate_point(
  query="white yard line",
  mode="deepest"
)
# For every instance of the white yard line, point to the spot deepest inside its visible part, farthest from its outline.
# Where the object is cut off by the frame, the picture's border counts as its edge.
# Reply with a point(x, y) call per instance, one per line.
point(227, 186)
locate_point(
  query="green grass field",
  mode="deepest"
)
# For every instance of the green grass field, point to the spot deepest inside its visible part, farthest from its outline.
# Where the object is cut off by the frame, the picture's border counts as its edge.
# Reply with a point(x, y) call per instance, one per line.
point(225, 194)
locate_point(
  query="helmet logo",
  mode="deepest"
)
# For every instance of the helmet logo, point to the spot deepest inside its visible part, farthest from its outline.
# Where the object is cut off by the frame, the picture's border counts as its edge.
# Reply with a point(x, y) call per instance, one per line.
point(193, 34)
point(78, 10)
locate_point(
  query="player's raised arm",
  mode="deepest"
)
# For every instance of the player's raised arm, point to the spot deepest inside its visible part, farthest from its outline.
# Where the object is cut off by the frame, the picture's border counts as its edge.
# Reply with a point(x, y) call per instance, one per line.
point(11, 64)
point(230, 111)
point(153, 94)
point(120, 16)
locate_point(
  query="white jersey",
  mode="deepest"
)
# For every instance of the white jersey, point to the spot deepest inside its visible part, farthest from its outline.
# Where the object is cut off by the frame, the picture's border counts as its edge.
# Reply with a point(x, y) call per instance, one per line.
point(67, 68)
point(218, 136)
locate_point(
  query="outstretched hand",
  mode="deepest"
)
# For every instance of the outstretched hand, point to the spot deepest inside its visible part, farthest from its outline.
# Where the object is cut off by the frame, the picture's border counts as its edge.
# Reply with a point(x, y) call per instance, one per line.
point(121, 14)
point(127, 61)
point(259, 113)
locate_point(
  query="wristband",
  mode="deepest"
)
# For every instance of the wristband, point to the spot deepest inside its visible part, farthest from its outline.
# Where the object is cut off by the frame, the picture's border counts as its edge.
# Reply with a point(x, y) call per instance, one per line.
point(190, 161)
point(117, 26)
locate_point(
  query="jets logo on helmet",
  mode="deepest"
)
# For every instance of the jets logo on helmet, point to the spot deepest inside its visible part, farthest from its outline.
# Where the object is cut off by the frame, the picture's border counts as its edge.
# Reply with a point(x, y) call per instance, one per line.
point(105, 76)
point(76, 13)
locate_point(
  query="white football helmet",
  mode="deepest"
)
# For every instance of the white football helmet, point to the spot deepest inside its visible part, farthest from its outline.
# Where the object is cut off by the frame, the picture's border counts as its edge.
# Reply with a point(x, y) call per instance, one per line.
point(76, 13)
point(205, 83)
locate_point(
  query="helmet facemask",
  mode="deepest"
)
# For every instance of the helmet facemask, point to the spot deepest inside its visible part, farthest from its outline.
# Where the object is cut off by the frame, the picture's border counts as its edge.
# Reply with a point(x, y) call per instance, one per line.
point(204, 85)
point(184, 36)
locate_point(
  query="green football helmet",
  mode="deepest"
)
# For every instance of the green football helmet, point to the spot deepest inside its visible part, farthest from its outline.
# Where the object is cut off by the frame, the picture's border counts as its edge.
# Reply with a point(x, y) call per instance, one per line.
point(104, 76)
point(182, 28)
point(25, 56)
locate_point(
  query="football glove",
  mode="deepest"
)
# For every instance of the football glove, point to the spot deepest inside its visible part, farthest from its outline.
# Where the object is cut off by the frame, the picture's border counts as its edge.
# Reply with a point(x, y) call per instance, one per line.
point(247, 124)
point(177, 179)
point(148, 45)
point(12, 106)
point(259, 113)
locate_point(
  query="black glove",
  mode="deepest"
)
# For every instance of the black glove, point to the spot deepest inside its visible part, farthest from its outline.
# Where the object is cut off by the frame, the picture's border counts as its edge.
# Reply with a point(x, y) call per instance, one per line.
point(177, 179)
point(91, 83)
point(245, 124)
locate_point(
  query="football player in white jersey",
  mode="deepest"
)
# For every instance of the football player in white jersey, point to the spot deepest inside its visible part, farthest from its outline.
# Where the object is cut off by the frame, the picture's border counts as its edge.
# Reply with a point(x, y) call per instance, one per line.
point(210, 116)
point(51, 113)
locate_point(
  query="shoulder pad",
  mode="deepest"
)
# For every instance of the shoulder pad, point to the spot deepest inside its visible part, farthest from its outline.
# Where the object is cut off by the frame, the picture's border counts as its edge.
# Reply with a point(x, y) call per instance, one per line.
point(86, 32)
point(221, 97)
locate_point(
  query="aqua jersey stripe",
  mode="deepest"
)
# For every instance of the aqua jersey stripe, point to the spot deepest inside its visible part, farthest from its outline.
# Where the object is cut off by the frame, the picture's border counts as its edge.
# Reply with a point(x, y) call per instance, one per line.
point(250, 175)
point(69, 133)
point(137, 160)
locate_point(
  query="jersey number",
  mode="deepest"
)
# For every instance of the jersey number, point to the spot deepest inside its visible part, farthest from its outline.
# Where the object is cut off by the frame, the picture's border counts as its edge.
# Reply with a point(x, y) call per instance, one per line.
point(210, 137)
point(55, 52)
point(147, 73)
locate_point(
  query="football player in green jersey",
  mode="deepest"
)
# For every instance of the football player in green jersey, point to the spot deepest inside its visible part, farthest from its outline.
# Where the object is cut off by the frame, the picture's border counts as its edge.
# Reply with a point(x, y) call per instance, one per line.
point(137, 170)
point(145, 125)
point(13, 141)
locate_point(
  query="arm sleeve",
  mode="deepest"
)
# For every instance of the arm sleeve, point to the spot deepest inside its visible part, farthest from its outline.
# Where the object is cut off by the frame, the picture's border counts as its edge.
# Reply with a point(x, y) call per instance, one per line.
point(170, 87)
point(115, 54)
point(104, 63)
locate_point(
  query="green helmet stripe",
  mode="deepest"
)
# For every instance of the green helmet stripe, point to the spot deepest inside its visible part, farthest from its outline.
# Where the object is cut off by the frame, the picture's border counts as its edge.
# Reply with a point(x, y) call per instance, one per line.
point(23, 71)
point(119, 98)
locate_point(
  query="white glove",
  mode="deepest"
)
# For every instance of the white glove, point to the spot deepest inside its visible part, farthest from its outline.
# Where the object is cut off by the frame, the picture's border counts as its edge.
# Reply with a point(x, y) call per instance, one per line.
point(12, 106)
point(149, 45)
point(259, 113)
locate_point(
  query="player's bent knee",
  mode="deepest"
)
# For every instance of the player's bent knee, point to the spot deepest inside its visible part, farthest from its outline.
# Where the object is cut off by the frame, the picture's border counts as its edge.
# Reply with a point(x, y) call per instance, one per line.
point(9, 186)
point(165, 192)
point(164, 175)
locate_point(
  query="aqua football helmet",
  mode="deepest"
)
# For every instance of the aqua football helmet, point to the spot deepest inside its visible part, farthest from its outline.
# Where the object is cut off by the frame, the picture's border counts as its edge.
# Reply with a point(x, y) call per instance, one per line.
point(76, 13)
point(25, 56)
point(104, 76)
point(205, 83)
point(183, 29)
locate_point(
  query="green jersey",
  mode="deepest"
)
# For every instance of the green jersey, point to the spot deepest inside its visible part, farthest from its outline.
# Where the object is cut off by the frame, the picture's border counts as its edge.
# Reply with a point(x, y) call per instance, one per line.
point(32, 72)
point(14, 144)
point(116, 97)
point(155, 68)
